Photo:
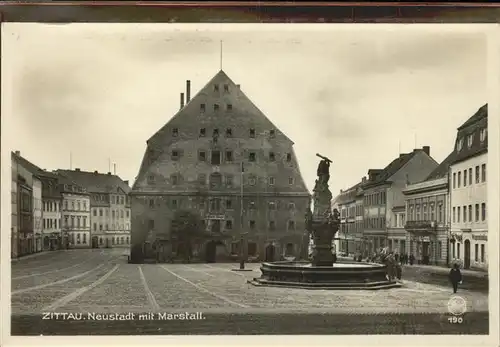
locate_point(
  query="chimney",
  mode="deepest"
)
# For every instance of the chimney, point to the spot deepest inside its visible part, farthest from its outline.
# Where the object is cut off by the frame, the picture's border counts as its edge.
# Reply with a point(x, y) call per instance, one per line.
point(77, 169)
point(18, 153)
point(401, 155)
point(363, 179)
point(126, 182)
point(182, 100)
point(96, 172)
point(427, 150)
point(114, 169)
point(188, 91)
point(238, 86)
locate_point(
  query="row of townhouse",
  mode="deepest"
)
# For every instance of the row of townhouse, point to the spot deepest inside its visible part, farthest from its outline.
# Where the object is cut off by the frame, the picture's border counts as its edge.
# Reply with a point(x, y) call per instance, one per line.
point(61, 210)
point(415, 206)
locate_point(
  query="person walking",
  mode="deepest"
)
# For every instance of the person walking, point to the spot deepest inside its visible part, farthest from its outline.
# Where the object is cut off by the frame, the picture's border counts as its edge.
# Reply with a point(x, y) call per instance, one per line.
point(455, 277)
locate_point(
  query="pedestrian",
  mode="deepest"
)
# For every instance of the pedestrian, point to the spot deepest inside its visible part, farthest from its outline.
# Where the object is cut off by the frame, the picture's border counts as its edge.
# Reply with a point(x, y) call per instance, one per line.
point(455, 277)
point(399, 270)
point(412, 259)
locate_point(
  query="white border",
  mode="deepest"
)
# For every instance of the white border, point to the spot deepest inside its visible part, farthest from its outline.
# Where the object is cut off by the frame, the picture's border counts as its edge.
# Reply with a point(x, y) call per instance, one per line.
point(493, 32)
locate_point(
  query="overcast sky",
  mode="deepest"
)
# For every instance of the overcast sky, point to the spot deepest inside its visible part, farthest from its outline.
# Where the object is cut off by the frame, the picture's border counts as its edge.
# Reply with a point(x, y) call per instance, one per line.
point(352, 93)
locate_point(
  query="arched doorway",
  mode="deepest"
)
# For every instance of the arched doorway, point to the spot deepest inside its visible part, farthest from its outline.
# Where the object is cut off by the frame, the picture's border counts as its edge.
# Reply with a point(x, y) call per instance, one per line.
point(270, 249)
point(46, 243)
point(467, 254)
point(95, 242)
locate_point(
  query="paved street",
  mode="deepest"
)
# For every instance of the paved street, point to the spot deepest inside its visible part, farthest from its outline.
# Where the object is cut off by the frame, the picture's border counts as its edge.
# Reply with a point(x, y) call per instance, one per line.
point(101, 281)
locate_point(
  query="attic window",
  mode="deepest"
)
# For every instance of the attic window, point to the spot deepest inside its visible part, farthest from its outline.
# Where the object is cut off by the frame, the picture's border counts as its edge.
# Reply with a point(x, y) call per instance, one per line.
point(229, 107)
point(288, 157)
point(252, 133)
point(272, 133)
point(175, 154)
point(272, 156)
point(151, 179)
point(251, 156)
point(482, 135)
point(202, 107)
point(226, 88)
point(174, 178)
point(229, 132)
point(175, 132)
point(216, 87)
point(202, 132)
point(470, 140)
point(460, 144)
point(216, 107)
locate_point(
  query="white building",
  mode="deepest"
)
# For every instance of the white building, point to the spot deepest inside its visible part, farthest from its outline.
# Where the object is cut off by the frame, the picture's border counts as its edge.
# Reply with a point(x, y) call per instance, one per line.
point(468, 193)
point(52, 213)
point(37, 213)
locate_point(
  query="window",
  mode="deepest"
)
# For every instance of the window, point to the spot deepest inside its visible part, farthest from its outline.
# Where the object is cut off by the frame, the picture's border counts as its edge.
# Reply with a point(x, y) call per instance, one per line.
point(251, 181)
point(470, 140)
point(174, 203)
point(216, 107)
point(229, 107)
point(226, 88)
point(271, 181)
point(483, 211)
point(229, 224)
point(459, 179)
point(151, 224)
point(477, 174)
point(229, 180)
point(458, 214)
point(482, 253)
point(202, 156)
point(251, 224)
point(100, 212)
point(175, 132)
point(215, 158)
point(433, 215)
point(151, 204)
point(425, 212)
point(229, 204)
point(175, 154)
point(440, 212)
point(252, 133)
point(272, 157)
point(418, 212)
point(272, 225)
point(113, 213)
point(291, 225)
point(483, 173)
point(106, 227)
point(290, 180)
point(100, 227)
point(272, 133)
point(465, 177)
point(288, 157)
point(470, 213)
point(272, 206)
point(476, 252)
point(482, 135)
point(465, 214)
point(470, 176)
point(215, 180)
point(215, 133)
point(229, 156)
point(216, 87)
point(291, 206)
point(95, 226)
point(251, 156)
point(202, 107)
point(203, 132)
point(95, 213)
point(202, 178)
point(174, 178)
point(477, 212)
point(454, 180)
point(460, 144)
point(229, 132)
point(127, 213)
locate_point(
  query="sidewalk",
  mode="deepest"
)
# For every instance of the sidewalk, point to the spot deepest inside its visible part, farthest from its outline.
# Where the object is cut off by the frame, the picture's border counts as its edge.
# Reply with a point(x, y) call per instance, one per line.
point(445, 270)
point(35, 255)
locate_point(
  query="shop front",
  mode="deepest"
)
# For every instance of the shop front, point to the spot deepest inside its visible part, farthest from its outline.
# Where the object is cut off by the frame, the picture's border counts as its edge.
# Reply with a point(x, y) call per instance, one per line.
point(422, 242)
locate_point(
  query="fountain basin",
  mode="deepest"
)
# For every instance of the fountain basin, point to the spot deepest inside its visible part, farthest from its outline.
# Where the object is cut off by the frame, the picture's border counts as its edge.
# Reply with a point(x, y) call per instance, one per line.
point(342, 275)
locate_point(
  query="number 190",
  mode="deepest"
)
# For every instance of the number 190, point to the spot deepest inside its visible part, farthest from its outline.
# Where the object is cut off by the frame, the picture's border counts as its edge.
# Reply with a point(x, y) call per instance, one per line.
point(455, 320)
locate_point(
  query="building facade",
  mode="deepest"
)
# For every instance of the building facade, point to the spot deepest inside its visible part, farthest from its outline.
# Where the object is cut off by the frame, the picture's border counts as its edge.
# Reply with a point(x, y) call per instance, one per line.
point(52, 213)
point(37, 213)
point(468, 192)
point(384, 200)
point(14, 236)
point(350, 205)
point(223, 159)
point(109, 206)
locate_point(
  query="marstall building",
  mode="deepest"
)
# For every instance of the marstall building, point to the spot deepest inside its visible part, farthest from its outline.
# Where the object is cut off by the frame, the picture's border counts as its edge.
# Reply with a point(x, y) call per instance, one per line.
point(468, 192)
point(195, 163)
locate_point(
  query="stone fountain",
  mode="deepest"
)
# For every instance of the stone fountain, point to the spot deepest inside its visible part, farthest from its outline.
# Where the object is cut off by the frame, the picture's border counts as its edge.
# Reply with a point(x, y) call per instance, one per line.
point(322, 271)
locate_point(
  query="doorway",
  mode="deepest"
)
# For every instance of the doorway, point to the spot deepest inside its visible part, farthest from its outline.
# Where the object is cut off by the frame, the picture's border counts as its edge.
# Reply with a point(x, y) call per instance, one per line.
point(212, 249)
point(270, 249)
point(425, 253)
point(95, 242)
point(467, 254)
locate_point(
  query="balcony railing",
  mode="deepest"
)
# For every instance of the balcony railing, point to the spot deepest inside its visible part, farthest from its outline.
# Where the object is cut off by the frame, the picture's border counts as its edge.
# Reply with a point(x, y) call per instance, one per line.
point(421, 224)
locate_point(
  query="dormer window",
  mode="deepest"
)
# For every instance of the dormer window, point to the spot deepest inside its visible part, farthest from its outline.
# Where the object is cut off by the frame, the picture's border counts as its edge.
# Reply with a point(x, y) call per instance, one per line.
point(289, 157)
point(252, 133)
point(460, 144)
point(216, 107)
point(229, 132)
point(272, 157)
point(229, 107)
point(482, 134)
point(272, 133)
point(203, 132)
point(251, 156)
point(226, 88)
point(470, 139)
point(202, 107)
point(216, 87)
point(175, 132)
point(175, 155)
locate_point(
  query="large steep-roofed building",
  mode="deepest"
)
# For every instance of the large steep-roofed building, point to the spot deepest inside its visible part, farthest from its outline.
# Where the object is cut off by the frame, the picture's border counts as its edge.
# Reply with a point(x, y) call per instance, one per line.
point(195, 162)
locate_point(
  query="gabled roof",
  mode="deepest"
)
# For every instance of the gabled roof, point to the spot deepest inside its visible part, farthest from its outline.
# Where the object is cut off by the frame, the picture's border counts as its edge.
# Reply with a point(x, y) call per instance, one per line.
point(96, 182)
point(392, 168)
point(442, 170)
point(480, 114)
point(472, 127)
